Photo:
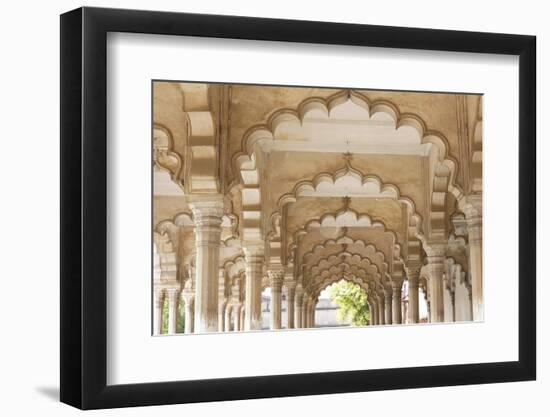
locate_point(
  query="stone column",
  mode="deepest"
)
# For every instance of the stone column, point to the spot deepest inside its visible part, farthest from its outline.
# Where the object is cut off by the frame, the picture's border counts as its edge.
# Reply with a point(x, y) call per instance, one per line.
point(471, 310)
point(388, 306)
point(306, 312)
point(453, 301)
point(157, 316)
point(449, 287)
point(436, 268)
point(189, 300)
point(222, 305)
point(474, 221)
point(413, 273)
point(222, 300)
point(207, 215)
point(298, 303)
point(173, 298)
point(371, 321)
point(254, 255)
point(396, 299)
point(290, 300)
point(404, 311)
point(381, 310)
point(242, 316)
point(313, 309)
point(227, 319)
point(370, 303)
point(276, 282)
point(237, 317)
point(373, 310)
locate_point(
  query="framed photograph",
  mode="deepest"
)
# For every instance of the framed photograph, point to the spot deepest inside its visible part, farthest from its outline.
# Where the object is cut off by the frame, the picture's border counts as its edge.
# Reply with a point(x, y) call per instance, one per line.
point(258, 208)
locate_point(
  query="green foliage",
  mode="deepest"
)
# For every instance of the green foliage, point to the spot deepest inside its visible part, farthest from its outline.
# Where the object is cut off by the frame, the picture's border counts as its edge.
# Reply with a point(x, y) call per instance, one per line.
point(180, 326)
point(352, 300)
point(164, 329)
point(180, 323)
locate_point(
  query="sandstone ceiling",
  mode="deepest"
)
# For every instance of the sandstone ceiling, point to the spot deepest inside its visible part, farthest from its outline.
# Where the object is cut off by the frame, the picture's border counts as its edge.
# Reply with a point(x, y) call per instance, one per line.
point(332, 182)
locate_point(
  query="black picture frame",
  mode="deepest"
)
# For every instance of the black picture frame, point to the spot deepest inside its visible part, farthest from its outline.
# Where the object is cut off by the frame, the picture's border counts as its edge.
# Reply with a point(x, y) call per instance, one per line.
point(84, 207)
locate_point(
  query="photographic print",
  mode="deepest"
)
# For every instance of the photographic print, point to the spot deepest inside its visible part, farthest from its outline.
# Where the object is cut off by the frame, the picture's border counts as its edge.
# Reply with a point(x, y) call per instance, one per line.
point(321, 204)
point(283, 207)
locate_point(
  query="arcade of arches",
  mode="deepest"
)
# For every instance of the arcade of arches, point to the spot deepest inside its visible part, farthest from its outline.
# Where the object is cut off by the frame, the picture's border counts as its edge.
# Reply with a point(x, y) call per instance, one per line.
point(294, 189)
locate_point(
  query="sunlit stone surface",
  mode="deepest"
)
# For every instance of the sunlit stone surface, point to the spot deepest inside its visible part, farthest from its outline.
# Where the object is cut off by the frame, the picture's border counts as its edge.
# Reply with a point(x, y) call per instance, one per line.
point(265, 196)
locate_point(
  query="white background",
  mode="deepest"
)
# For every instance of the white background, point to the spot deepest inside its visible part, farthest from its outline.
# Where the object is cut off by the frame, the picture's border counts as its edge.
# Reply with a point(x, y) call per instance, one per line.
point(135, 357)
point(30, 220)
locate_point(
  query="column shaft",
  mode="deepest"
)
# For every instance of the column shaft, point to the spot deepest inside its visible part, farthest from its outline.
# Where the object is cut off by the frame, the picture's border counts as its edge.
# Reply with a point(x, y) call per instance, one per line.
point(414, 313)
point(276, 281)
point(242, 316)
point(374, 312)
point(189, 300)
point(157, 316)
point(475, 231)
point(305, 313)
point(290, 300)
point(227, 319)
point(208, 218)
point(237, 318)
point(221, 315)
point(254, 256)
point(173, 298)
point(381, 310)
point(388, 307)
point(396, 308)
point(436, 268)
point(298, 303)
point(413, 273)
point(222, 299)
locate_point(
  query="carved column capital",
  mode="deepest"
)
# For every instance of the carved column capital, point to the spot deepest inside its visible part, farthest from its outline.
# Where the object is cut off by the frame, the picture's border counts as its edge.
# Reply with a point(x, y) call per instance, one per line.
point(472, 207)
point(435, 250)
point(159, 298)
point(276, 277)
point(188, 296)
point(173, 293)
point(207, 216)
point(235, 293)
point(299, 298)
point(413, 271)
point(396, 286)
point(255, 259)
point(291, 286)
point(205, 206)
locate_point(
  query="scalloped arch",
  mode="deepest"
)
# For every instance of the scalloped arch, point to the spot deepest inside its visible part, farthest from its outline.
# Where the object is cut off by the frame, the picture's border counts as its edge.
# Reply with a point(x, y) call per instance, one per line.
point(165, 263)
point(235, 267)
point(326, 105)
point(332, 218)
point(370, 249)
point(164, 155)
point(244, 161)
point(349, 277)
point(387, 189)
point(341, 258)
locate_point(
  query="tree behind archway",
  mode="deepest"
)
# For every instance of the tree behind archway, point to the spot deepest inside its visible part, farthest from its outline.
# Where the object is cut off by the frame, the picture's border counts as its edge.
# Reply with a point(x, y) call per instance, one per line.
point(352, 300)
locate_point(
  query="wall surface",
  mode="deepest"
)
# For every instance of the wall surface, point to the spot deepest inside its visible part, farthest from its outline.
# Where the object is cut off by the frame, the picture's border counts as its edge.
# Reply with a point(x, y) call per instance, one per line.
point(30, 221)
